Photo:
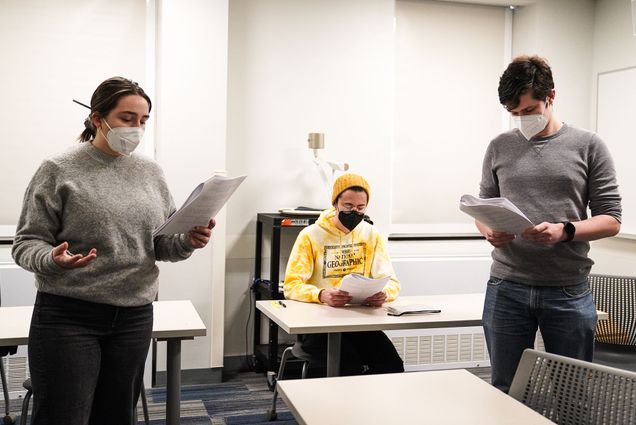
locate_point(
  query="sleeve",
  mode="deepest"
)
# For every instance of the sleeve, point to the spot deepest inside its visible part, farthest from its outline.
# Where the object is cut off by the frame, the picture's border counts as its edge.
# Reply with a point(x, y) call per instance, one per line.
point(176, 247)
point(300, 268)
point(604, 198)
point(489, 186)
point(382, 267)
point(172, 248)
point(39, 223)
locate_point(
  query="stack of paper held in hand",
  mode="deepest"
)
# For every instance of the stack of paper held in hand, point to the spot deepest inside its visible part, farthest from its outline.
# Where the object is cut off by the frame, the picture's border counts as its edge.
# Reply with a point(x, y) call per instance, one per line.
point(361, 287)
point(399, 310)
point(499, 214)
point(205, 201)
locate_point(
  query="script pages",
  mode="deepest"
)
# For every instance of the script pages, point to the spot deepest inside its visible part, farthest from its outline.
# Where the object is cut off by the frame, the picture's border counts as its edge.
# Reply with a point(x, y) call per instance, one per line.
point(360, 287)
point(205, 201)
point(499, 214)
point(399, 310)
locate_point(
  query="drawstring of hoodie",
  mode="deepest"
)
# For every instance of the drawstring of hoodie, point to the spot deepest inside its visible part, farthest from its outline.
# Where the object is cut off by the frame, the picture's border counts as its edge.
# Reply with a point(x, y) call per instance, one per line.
point(352, 238)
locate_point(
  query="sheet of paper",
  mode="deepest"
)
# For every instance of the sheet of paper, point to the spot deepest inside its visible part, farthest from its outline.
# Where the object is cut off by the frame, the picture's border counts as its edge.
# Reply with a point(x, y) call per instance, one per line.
point(499, 214)
point(360, 287)
point(205, 201)
point(401, 309)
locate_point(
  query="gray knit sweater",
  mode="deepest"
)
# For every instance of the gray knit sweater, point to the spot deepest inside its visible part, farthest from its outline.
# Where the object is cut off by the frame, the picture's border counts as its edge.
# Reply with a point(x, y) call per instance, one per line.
point(553, 179)
point(93, 200)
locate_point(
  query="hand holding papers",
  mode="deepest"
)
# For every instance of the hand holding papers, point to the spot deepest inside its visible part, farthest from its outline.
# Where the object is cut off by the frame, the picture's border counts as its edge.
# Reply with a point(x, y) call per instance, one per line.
point(205, 201)
point(360, 287)
point(499, 214)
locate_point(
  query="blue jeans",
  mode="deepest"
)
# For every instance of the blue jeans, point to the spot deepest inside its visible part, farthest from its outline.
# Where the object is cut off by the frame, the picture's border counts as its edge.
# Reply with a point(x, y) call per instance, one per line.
point(566, 316)
point(86, 360)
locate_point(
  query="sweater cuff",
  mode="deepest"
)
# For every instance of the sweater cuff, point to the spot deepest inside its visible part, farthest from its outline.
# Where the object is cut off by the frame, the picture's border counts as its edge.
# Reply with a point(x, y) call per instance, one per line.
point(51, 267)
point(184, 245)
point(315, 295)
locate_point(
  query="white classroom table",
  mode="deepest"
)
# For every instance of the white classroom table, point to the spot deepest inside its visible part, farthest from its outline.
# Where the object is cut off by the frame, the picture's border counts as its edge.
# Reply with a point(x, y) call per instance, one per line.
point(173, 322)
point(445, 397)
point(457, 310)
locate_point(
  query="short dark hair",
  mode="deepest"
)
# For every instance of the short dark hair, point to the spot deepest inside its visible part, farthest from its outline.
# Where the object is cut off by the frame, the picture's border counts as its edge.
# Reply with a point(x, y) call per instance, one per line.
point(105, 99)
point(525, 74)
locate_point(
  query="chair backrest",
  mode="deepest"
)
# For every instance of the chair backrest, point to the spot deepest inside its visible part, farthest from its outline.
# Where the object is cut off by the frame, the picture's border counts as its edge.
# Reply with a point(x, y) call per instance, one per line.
point(615, 295)
point(575, 392)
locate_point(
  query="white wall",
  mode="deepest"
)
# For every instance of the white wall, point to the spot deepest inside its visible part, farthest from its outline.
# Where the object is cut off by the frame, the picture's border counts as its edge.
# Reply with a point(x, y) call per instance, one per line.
point(614, 48)
point(297, 67)
point(446, 109)
point(53, 52)
point(190, 146)
point(562, 32)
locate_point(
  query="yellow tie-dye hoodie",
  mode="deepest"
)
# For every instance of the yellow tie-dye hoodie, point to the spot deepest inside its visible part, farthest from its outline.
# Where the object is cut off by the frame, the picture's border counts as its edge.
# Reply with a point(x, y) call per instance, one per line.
point(323, 255)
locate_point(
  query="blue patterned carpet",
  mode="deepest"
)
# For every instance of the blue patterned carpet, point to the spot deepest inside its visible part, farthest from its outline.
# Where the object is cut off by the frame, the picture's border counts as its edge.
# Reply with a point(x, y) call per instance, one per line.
point(243, 401)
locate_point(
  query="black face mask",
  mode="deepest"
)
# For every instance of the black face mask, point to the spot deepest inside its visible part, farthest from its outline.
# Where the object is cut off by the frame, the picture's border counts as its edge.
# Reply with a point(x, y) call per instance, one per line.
point(350, 219)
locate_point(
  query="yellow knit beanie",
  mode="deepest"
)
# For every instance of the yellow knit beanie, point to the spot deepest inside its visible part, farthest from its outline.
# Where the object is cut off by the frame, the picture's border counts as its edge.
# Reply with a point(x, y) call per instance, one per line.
point(347, 181)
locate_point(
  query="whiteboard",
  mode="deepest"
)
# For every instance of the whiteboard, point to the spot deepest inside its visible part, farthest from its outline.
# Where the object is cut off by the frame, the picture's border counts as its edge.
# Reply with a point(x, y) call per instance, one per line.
point(616, 125)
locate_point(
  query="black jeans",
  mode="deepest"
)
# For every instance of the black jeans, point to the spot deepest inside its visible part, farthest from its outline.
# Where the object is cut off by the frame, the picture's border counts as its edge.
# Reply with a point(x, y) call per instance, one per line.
point(86, 360)
point(368, 352)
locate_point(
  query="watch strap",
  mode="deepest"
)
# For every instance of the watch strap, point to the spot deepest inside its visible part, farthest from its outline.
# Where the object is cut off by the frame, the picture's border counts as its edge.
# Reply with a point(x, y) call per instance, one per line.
point(569, 230)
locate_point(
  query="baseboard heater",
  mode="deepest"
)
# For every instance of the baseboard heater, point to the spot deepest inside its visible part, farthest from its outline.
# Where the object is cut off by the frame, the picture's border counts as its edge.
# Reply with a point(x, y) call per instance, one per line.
point(445, 348)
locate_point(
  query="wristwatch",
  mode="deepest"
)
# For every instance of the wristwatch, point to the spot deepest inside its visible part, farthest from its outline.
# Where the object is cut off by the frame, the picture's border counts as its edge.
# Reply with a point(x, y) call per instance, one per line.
point(569, 230)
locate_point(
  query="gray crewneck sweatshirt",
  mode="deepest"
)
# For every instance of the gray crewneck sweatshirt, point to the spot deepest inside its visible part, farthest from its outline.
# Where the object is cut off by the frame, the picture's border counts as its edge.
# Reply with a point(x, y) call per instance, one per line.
point(93, 200)
point(553, 179)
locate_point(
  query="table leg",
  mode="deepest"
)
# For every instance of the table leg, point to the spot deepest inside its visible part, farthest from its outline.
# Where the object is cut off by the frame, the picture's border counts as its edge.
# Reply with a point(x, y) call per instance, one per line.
point(173, 382)
point(333, 354)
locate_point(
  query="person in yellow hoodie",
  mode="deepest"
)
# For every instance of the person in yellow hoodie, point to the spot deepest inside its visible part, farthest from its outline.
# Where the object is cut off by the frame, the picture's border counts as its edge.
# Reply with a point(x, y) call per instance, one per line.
point(341, 242)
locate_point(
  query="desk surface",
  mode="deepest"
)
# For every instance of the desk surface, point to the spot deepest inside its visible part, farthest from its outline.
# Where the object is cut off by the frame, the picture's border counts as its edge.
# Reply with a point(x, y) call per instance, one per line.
point(298, 317)
point(436, 397)
point(457, 310)
point(172, 319)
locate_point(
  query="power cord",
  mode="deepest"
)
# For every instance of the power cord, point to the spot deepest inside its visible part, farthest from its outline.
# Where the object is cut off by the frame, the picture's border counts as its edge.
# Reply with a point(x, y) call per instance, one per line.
point(252, 288)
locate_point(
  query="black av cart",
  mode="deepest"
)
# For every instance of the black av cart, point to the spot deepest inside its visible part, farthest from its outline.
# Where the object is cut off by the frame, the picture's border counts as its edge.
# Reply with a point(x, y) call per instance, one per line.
point(267, 288)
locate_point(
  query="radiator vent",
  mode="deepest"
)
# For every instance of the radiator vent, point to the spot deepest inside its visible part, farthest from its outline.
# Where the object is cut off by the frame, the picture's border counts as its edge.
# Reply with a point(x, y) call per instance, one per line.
point(426, 349)
point(17, 371)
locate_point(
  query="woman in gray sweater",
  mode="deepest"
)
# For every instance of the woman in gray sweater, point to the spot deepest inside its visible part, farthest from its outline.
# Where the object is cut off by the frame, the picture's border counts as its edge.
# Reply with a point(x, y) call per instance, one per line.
point(85, 231)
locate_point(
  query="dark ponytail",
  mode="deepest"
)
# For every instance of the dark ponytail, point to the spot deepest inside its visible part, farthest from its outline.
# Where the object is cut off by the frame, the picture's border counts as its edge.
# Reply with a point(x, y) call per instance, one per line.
point(90, 131)
point(105, 99)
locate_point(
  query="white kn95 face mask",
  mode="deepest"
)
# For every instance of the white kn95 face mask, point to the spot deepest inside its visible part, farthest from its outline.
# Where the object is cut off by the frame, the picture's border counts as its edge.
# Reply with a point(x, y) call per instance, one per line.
point(530, 125)
point(124, 140)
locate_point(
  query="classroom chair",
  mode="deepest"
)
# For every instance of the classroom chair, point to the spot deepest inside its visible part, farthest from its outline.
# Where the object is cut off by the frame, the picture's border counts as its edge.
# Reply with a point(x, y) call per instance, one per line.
point(8, 418)
point(296, 351)
point(574, 392)
point(615, 343)
point(27, 398)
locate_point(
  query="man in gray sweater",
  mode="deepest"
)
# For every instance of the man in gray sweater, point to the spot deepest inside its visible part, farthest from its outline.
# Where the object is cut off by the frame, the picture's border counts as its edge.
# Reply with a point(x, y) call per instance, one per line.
point(553, 172)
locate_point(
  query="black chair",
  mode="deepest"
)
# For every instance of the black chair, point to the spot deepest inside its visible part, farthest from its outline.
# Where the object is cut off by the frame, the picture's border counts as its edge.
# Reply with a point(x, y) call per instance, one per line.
point(27, 398)
point(615, 343)
point(574, 392)
point(25, 403)
point(8, 418)
point(289, 352)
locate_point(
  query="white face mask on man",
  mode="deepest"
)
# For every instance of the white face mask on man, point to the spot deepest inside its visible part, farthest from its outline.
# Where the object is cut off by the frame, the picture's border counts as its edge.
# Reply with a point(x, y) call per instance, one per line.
point(124, 140)
point(530, 125)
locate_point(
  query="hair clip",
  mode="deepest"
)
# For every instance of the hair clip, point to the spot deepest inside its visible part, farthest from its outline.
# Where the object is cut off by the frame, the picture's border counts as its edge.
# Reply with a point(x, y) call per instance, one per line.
point(80, 103)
